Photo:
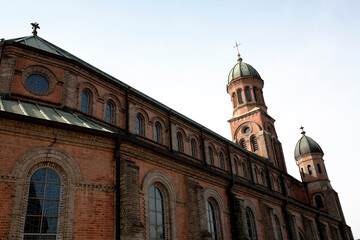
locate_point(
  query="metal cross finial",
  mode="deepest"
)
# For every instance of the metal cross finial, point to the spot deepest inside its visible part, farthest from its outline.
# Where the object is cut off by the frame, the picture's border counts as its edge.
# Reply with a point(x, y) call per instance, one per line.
point(35, 26)
point(302, 130)
point(237, 48)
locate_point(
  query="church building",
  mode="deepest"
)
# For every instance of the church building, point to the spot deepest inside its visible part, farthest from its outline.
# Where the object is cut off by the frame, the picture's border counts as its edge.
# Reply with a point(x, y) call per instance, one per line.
point(83, 155)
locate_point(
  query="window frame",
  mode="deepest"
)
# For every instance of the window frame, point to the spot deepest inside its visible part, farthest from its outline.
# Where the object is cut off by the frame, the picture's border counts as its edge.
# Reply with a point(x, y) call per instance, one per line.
point(193, 148)
point(111, 111)
point(158, 132)
point(86, 109)
point(140, 125)
point(180, 142)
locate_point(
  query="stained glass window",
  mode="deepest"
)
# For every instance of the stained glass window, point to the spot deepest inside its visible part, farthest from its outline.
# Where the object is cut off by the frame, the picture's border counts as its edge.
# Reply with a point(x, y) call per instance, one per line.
point(43, 205)
point(156, 207)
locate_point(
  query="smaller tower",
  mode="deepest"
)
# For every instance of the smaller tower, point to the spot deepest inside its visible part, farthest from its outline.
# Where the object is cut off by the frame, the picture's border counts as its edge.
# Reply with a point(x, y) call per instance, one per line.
point(309, 158)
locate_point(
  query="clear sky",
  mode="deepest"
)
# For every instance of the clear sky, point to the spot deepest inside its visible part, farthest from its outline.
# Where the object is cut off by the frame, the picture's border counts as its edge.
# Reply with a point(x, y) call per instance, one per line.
point(180, 53)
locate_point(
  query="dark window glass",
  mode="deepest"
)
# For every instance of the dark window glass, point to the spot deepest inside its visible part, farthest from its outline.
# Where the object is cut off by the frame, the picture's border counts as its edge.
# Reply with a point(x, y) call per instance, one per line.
point(262, 178)
point(248, 94)
point(158, 132)
point(140, 125)
point(193, 148)
point(85, 102)
point(319, 168)
point(180, 143)
point(109, 116)
point(156, 207)
point(243, 144)
point(234, 99)
point(278, 228)
point(221, 160)
point(37, 83)
point(250, 224)
point(43, 205)
point(309, 169)
point(319, 202)
point(255, 92)
point(254, 144)
point(256, 175)
point(244, 172)
point(239, 95)
point(211, 217)
point(211, 156)
point(236, 162)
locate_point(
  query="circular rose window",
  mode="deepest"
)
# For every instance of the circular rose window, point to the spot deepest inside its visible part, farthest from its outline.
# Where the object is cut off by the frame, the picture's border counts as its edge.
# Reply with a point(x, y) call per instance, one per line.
point(37, 83)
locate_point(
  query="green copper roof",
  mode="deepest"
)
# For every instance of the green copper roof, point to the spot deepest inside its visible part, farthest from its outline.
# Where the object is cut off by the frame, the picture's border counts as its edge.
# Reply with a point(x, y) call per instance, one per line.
point(242, 69)
point(307, 145)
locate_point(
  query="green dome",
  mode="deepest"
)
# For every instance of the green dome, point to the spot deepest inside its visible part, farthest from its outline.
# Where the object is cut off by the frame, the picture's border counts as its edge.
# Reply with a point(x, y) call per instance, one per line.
point(242, 69)
point(307, 145)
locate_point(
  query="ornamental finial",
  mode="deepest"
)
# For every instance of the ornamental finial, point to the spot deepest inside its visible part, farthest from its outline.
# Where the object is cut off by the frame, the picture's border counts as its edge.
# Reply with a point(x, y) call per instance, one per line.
point(35, 26)
point(238, 53)
point(302, 130)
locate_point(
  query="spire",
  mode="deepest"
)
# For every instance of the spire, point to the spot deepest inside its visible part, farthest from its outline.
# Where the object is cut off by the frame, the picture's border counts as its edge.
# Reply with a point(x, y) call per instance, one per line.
point(302, 130)
point(35, 26)
point(238, 53)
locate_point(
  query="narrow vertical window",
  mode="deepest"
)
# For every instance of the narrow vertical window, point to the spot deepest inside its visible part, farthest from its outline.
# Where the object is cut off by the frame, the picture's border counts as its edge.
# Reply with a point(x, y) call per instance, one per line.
point(250, 223)
point(234, 100)
point(248, 94)
point(255, 94)
point(240, 96)
point(319, 202)
point(243, 144)
point(236, 163)
point(85, 102)
point(262, 176)
point(243, 168)
point(193, 148)
point(211, 217)
point(140, 125)
point(256, 175)
point(221, 160)
point(211, 156)
point(109, 112)
point(43, 205)
point(180, 143)
point(158, 132)
point(254, 144)
point(156, 208)
point(319, 168)
point(309, 169)
point(278, 228)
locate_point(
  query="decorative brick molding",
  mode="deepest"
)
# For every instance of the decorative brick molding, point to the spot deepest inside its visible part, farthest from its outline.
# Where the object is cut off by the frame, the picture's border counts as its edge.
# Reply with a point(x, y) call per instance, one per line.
point(163, 182)
point(69, 173)
point(43, 71)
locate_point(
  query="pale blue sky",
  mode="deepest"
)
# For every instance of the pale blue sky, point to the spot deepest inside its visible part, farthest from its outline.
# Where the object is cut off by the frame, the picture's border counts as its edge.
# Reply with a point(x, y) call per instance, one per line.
point(180, 53)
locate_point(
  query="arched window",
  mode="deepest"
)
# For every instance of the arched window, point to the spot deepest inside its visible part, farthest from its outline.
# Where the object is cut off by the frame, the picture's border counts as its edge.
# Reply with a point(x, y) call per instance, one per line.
point(256, 175)
point(221, 160)
point(319, 202)
point(109, 112)
point(248, 94)
point(243, 169)
point(140, 125)
point(262, 176)
point(278, 232)
point(180, 143)
point(43, 205)
point(156, 212)
point(318, 168)
point(309, 169)
point(211, 156)
point(234, 100)
point(193, 146)
point(302, 172)
point(255, 94)
point(240, 96)
point(85, 102)
point(236, 164)
point(254, 144)
point(250, 223)
point(212, 220)
point(158, 132)
point(243, 144)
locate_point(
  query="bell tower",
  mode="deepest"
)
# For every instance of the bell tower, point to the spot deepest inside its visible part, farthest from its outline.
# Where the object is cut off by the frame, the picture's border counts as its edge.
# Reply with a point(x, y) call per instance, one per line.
point(251, 127)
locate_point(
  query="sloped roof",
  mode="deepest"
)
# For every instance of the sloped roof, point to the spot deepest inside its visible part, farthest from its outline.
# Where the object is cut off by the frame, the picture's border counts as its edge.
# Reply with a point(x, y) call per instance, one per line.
point(51, 114)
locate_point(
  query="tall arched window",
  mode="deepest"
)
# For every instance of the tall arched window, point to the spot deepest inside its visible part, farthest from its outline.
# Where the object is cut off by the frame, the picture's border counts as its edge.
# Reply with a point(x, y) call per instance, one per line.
point(319, 202)
point(262, 176)
point(309, 169)
point(193, 148)
point(278, 232)
point(256, 172)
point(254, 144)
point(156, 212)
point(109, 112)
point(221, 160)
point(234, 99)
point(243, 169)
point(211, 156)
point(236, 164)
point(255, 94)
point(158, 132)
point(319, 168)
point(240, 96)
point(243, 144)
point(85, 102)
point(248, 94)
point(180, 143)
point(140, 125)
point(250, 223)
point(212, 220)
point(43, 205)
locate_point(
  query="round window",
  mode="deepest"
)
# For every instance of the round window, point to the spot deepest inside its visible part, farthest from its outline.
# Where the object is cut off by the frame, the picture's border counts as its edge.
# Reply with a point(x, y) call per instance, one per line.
point(37, 83)
point(246, 130)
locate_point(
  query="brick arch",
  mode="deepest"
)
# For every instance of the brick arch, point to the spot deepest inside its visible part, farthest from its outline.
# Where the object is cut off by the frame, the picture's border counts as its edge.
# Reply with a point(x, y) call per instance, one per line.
point(251, 124)
point(40, 70)
point(161, 180)
point(70, 174)
point(249, 204)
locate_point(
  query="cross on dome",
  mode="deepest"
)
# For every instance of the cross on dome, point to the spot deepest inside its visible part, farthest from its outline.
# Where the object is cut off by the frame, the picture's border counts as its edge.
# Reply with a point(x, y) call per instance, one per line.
point(237, 48)
point(302, 130)
point(35, 26)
